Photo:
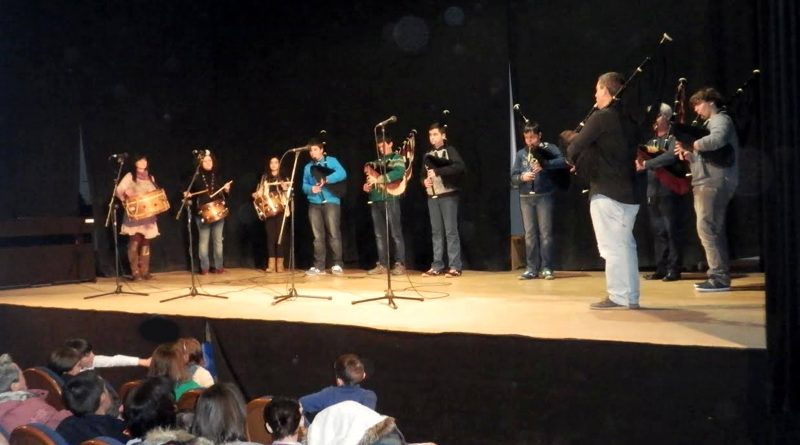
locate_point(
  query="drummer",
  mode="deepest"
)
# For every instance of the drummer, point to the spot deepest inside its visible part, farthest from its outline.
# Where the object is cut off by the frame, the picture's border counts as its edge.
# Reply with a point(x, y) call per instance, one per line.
point(273, 187)
point(138, 181)
point(208, 183)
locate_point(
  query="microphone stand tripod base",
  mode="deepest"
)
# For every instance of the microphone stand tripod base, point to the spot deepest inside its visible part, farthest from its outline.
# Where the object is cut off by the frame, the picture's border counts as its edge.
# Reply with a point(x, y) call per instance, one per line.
point(193, 292)
point(116, 291)
point(389, 296)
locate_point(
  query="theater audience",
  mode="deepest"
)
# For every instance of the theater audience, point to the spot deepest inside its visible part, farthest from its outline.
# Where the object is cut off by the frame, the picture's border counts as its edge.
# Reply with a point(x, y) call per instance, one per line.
point(89, 360)
point(148, 406)
point(351, 423)
point(20, 405)
point(193, 356)
point(168, 362)
point(65, 362)
point(284, 419)
point(86, 396)
point(349, 372)
point(220, 415)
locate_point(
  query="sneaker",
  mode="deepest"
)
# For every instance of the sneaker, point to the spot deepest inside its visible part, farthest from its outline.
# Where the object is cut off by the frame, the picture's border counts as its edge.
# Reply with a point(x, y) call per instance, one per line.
point(655, 276)
point(528, 275)
point(712, 286)
point(432, 273)
point(672, 276)
point(453, 273)
point(337, 270)
point(313, 272)
point(398, 269)
point(608, 304)
point(547, 274)
point(378, 269)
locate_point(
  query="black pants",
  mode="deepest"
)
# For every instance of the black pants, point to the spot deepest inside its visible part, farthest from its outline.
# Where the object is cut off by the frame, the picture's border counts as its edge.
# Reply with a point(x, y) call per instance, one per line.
point(666, 220)
point(273, 227)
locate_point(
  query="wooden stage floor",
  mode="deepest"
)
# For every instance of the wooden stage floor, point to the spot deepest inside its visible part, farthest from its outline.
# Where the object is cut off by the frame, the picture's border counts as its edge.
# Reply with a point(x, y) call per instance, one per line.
point(493, 303)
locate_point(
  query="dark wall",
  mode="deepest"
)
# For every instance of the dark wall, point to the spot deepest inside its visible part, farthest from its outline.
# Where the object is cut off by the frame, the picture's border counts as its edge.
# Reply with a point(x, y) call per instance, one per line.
point(249, 79)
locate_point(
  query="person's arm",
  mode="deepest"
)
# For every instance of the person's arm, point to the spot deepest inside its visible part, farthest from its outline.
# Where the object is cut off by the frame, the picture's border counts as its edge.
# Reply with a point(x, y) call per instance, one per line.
point(557, 158)
point(315, 402)
point(720, 127)
point(123, 186)
point(664, 159)
point(202, 377)
point(105, 361)
point(516, 170)
point(455, 168)
point(308, 180)
point(591, 131)
point(395, 170)
point(339, 174)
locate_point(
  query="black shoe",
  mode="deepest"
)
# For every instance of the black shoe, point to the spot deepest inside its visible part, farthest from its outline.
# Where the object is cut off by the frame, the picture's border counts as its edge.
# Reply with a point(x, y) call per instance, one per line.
point(712, 286)
point(672, 276)
point(655, 276)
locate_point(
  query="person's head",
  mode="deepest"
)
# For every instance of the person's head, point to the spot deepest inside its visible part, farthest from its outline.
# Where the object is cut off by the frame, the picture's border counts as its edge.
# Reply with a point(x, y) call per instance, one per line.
point(220, 414)
point(191, 349)
point(532, 134)
point(150, 405)
point(349, 370)
point(608, 85)
point(85, 349)
point(274, 165)
point(140, 161)
point(385, 145)
point(86, 394)
point(65, 360)
point(663, 118)
point(283, 417)
point(437, 134)
point(167, 361)
point(208, 162)
point(11, 378)
point(316, 149)
point(706, 102)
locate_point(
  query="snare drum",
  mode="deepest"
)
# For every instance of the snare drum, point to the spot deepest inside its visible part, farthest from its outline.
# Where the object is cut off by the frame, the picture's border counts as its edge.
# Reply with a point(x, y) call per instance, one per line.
point(268, 206)
point(213, 211)
point(146, 205)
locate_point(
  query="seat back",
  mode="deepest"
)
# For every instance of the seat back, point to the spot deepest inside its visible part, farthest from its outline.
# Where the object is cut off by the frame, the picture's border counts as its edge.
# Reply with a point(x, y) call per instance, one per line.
point(126, 388)
point(35, 434)
point(42, 378)
point(188, 400)
point(3, 432)
point(102, 440)
point(256, 429)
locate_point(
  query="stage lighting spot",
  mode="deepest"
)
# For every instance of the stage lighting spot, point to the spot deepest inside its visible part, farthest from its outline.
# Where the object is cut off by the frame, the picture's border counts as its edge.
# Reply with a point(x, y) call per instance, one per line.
point(159, 330)
point(454, 16)
point(411, 34)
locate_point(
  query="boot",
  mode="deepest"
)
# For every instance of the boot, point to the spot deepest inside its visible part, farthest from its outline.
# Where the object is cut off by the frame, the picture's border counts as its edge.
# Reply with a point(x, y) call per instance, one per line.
point(144, 262)
point(270, 265)
point(279, 264)
point(133, 257)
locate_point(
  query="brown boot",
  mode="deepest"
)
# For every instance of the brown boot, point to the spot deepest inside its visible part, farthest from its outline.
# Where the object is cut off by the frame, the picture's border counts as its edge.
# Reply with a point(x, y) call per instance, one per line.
point(144, 262)
point(133, 257)
point(270, 265)
point(279, 264)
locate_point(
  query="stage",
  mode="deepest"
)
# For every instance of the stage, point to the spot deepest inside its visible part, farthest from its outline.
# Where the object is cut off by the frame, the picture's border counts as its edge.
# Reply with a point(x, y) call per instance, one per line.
point(493, 303)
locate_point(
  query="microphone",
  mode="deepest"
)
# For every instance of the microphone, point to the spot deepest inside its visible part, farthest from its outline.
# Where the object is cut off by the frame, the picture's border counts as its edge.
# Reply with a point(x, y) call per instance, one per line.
point(297, 149)
point(118, 156)
point(391, 120)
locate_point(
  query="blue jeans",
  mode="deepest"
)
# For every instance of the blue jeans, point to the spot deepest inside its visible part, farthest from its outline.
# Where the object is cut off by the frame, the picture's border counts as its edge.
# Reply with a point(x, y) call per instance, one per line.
point(325, 224)
point(613, 228)
point(215, 232)
point(710, 205)
point(537, 219)
point(666, 222)
point(378, 212)
point(444, 223)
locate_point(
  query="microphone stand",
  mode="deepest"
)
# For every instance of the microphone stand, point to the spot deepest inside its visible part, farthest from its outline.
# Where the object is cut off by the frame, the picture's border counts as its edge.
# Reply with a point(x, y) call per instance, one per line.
point(291, 292)
point(187, 204)
point(388, 294)
point(111, 217)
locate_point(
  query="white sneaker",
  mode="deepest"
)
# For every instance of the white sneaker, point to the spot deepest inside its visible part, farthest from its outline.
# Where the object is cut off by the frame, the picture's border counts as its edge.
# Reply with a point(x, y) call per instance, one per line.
point(337, 270)
point(313, 272)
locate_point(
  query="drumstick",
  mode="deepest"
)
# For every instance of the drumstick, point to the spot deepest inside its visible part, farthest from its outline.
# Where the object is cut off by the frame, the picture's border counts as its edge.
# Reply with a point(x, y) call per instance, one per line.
point(221, 188)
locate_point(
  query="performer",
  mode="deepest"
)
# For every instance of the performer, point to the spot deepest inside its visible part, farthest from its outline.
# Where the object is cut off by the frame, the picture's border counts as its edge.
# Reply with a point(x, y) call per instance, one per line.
point(321, 176)
point(532, 173)
point(208, 182)
point(381, 200)
point(141, 232)
point(442, 168)
point(663, 205)
point(273, 187)
point(713, 184)
point(613, 205)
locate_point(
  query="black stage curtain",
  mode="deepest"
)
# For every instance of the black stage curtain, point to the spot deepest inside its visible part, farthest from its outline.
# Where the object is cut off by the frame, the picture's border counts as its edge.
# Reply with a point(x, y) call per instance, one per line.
point(781, 108)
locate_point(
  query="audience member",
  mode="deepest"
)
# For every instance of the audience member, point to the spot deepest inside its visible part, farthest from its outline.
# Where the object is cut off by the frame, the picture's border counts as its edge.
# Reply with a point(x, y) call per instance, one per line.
point(86, 396)
point(167, 362)
point(349, 372)
point(220, 415)
point(65, 361)
point(351, 423)
point(193, 355)
point(89, 360)
point(20, 405)
point(149, 406)
point(284, 418)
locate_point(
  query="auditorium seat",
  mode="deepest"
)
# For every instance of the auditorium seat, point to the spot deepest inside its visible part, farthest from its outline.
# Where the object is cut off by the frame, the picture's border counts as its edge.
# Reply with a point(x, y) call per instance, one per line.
point(188, 400)
point(43, 378)
point(4, 433)
point(102, 440)
point(126, 388)
point(256, 429)
point(35, 434)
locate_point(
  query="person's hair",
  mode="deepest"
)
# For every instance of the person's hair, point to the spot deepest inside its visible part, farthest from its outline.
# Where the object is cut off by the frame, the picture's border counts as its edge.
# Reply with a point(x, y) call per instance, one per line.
point(213, 161)
point(316, 141)
point(349, 368)
point(168, 362)
point(80, 344)
point(132, 165)
point(438, 126)
point(707, 94)
point(150, 405)
point(220, 414)
point(613, 82)
point(191, 349)
point(9, 372)
point(531, 127)
point(63, 359)
point(665, 110)
point(82, 393)
point(283, 416)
